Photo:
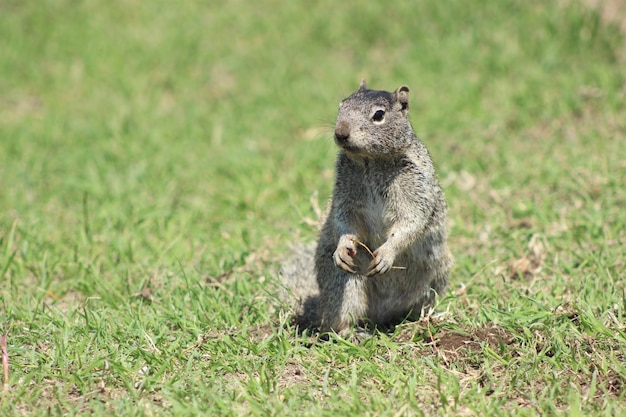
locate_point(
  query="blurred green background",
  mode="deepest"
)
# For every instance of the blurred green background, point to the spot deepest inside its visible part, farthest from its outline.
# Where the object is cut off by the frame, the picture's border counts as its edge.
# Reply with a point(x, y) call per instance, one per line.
point(171, 150)
point(215, 117)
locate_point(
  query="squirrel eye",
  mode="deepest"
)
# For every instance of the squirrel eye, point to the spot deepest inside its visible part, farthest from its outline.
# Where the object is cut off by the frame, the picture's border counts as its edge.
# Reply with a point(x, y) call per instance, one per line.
point(378, 116)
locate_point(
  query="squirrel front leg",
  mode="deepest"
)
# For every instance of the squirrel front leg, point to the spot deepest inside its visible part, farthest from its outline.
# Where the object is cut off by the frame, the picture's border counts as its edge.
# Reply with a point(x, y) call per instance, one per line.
point(383, 260)
point(345, 253)
point(403, 234)
point(345, 228)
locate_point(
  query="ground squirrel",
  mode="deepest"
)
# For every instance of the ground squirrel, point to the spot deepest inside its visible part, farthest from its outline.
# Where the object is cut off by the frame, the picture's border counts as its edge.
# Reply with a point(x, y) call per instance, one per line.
point(386, 197)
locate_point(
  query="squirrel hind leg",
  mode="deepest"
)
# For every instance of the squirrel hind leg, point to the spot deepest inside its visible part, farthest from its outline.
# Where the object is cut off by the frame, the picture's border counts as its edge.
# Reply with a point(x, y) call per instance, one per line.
point(343, 305)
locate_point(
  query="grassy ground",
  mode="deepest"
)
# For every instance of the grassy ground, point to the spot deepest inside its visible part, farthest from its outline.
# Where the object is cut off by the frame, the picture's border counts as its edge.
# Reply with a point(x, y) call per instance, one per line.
point(157, 159)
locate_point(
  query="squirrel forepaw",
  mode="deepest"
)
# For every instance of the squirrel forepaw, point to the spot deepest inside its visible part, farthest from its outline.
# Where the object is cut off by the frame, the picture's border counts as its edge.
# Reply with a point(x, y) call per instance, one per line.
point(345, 253)
point(382, 262)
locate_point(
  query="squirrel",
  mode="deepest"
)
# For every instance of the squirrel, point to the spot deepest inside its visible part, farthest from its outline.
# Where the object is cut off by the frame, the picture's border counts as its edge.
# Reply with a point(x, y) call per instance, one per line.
point(386, 197)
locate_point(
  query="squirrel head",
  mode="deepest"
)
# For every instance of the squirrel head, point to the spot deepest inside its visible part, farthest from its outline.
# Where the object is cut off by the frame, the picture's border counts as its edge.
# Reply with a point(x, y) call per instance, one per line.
point(373, 123)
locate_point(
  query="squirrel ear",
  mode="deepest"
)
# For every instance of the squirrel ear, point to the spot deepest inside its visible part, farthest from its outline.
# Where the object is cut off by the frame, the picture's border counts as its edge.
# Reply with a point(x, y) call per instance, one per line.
point(362, 87)
point(401, 95)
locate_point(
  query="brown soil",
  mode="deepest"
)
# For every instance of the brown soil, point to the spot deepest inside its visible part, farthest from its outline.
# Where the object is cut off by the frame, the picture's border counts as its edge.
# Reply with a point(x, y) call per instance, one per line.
point(611, 11)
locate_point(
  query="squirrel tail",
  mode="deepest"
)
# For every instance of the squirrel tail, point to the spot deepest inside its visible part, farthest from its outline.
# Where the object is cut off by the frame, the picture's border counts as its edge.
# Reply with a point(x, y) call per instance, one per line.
point(300, 289)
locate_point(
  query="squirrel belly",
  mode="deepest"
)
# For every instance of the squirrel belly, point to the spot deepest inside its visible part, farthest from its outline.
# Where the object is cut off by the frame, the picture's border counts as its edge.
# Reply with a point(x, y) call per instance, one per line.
point(381, 254)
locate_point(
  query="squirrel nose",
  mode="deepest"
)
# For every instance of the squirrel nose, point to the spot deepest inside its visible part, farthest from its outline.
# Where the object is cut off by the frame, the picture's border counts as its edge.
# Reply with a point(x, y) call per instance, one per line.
point(342, 132)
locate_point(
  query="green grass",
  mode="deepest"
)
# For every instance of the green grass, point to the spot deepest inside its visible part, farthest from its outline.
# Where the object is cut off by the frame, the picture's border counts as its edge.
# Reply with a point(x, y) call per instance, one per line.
point(158, 159)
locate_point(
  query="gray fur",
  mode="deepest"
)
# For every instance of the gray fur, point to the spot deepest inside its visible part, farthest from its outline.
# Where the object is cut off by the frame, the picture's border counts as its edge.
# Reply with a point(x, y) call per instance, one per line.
point(386, 197)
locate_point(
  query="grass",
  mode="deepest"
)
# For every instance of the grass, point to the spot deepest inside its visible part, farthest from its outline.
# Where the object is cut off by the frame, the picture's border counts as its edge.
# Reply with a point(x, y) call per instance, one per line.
point(157, 160)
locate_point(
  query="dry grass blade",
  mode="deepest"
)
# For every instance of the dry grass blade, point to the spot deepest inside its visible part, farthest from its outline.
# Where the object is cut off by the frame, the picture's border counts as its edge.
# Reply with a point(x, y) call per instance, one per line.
point(358, 242)
point(5, 360)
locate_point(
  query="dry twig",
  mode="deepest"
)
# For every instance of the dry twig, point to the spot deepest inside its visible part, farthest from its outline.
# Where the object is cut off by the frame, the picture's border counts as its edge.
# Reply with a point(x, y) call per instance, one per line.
point(358, 242)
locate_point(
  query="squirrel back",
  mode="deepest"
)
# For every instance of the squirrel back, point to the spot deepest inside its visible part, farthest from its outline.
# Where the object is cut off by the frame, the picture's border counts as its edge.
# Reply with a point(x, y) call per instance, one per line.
point(382, 252)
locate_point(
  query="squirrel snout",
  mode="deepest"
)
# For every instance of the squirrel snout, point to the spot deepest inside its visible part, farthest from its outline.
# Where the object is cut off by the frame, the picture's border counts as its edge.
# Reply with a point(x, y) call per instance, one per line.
point(342, 132)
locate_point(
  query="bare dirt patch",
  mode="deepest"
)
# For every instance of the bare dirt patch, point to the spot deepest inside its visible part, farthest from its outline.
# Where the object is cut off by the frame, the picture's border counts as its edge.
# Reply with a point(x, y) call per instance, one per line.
point(262, 332)
point(432, 332)
point(612, 11)
point(474, 341)
point(529, 264)
point(293, 374)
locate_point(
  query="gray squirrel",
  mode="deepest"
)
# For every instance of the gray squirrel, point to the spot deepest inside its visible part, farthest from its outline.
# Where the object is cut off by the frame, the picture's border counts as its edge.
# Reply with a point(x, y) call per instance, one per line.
point(386, 197)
